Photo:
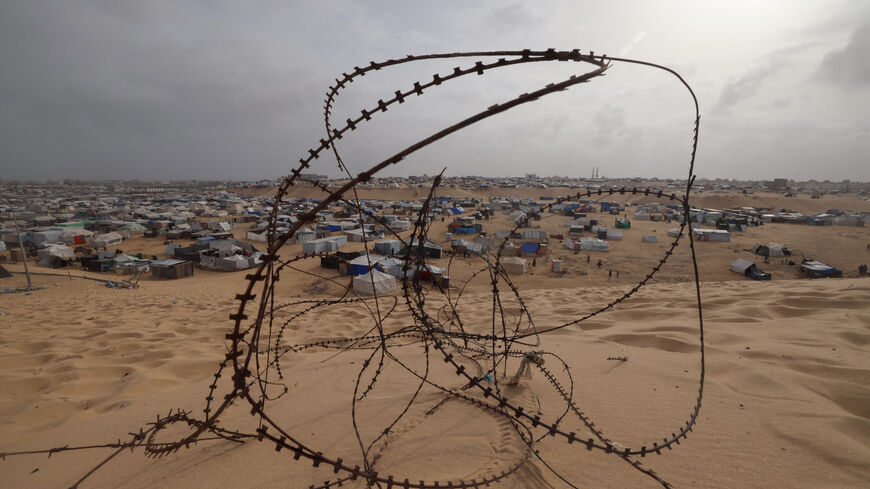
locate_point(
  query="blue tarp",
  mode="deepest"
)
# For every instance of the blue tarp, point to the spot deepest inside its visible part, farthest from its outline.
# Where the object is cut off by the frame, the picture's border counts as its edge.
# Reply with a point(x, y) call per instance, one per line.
point(471, 230)
point(457, 210)
point(529, 248)
point(334, 228)
point(605, 207)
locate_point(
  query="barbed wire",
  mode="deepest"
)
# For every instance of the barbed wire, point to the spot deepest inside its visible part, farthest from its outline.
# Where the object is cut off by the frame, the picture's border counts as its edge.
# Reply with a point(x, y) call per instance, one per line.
point(258, 341)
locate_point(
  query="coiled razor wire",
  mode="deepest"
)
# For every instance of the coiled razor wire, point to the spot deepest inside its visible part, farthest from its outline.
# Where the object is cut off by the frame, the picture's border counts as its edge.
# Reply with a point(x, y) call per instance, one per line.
point(256, 344)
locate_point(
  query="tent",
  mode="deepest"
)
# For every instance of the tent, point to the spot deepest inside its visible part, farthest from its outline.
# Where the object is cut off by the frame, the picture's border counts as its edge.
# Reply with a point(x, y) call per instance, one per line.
point(751, 270)
point(58, 250)
point(594, 244)
point(4, 273)
point(388, 246)
point(772, 249)
point(529, 249)
point(360, 264)
point(513, 264)
point(374, 282)
point(613, 234)
point(650, 239)
point(815, 269)
point(107, 240)
point(674, 232)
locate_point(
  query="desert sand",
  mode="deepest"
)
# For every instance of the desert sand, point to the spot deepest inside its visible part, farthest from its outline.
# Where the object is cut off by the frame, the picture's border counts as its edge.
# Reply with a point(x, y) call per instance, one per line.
point(786, 397)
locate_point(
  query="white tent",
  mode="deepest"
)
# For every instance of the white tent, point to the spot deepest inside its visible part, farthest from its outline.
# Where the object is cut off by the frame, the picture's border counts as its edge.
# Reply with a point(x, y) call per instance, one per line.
point(58, 250)
point(374, 282)
point(650, 239)
point(594, 244)
point(108, 239)
point(514, 264)
point(673, 232)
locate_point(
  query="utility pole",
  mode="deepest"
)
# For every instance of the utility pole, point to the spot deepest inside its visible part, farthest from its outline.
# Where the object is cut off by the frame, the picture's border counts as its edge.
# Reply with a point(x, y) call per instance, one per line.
point(23, 252)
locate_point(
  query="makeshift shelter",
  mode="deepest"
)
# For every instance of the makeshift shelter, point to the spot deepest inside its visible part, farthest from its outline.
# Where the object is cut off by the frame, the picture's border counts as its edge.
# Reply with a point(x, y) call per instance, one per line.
point(4, 273)
point(815, 269)
point(674, 232)
point(529, 249)
point(649, 239)
point(623, 224)
point(388, 247)
point(556, 266)
point(431, 249)
point(613, 234)
point(772, 250)
point(514, 264)
point(171, 269)
point(373, 282)
point(335, 260)
point(107, 240)
point(749, 269)
point(594, 244)
point(58, 250)
point(711, 235)
point(361, 264)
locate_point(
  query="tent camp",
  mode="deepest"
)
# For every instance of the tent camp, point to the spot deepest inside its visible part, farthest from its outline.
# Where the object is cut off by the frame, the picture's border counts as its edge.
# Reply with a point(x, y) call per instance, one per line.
point(374, 282)
point(513, 264)
point(749, 269)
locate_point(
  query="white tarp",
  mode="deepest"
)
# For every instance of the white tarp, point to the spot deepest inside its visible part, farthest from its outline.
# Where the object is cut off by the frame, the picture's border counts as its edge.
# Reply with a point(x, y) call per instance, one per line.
point(650, 239)
point(673, 232)
point(60, 251)
point(108, 239)
point(594, 244)
point(373, 282)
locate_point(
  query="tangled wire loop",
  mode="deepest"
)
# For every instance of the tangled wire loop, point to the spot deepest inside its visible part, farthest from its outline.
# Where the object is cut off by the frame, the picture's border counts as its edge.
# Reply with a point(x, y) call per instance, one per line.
point(257, 342)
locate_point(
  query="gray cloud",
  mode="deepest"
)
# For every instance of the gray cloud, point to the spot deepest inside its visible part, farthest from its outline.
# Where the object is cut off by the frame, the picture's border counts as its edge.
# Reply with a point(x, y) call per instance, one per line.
point(849, 66)
point(94, 89)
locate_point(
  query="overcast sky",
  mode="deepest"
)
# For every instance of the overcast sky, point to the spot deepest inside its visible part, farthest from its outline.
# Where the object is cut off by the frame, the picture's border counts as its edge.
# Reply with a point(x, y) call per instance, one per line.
point(227, 89)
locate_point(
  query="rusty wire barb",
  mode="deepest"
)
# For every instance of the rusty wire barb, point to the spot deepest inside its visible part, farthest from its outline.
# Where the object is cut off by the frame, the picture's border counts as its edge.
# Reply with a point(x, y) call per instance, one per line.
point(434, 330)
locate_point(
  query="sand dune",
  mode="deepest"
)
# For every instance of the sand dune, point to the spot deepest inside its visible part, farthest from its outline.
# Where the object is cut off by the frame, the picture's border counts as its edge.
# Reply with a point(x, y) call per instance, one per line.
point(786, 398)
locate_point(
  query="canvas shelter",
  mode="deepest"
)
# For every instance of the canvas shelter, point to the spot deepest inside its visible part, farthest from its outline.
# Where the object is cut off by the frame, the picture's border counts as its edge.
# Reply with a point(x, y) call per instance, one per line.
point(650, 239)
point(514, 264)
point(388, 247)
point(815, 269)
point(594, 244)
point(171, 269)
point(374, 281)
point(749, 269)
point(360, 265)
point(107, 240)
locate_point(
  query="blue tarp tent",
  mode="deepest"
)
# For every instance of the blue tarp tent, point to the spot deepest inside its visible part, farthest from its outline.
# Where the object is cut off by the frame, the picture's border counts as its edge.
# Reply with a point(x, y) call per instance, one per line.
point(333, 228)
point(605, 207)
point(465, 230)
point(529, 248)
point(457, 210)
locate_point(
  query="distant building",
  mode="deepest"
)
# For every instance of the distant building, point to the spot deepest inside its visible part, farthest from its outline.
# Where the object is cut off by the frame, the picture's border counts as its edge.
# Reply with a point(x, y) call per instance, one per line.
point(779, 183)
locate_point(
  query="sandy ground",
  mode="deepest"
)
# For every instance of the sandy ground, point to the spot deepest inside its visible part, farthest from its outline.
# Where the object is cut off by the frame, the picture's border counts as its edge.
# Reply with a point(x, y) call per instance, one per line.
point(786, 398)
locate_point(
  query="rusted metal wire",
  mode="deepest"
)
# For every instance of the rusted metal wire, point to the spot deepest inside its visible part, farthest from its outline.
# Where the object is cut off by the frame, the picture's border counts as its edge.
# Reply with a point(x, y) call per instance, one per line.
point(258, 342)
